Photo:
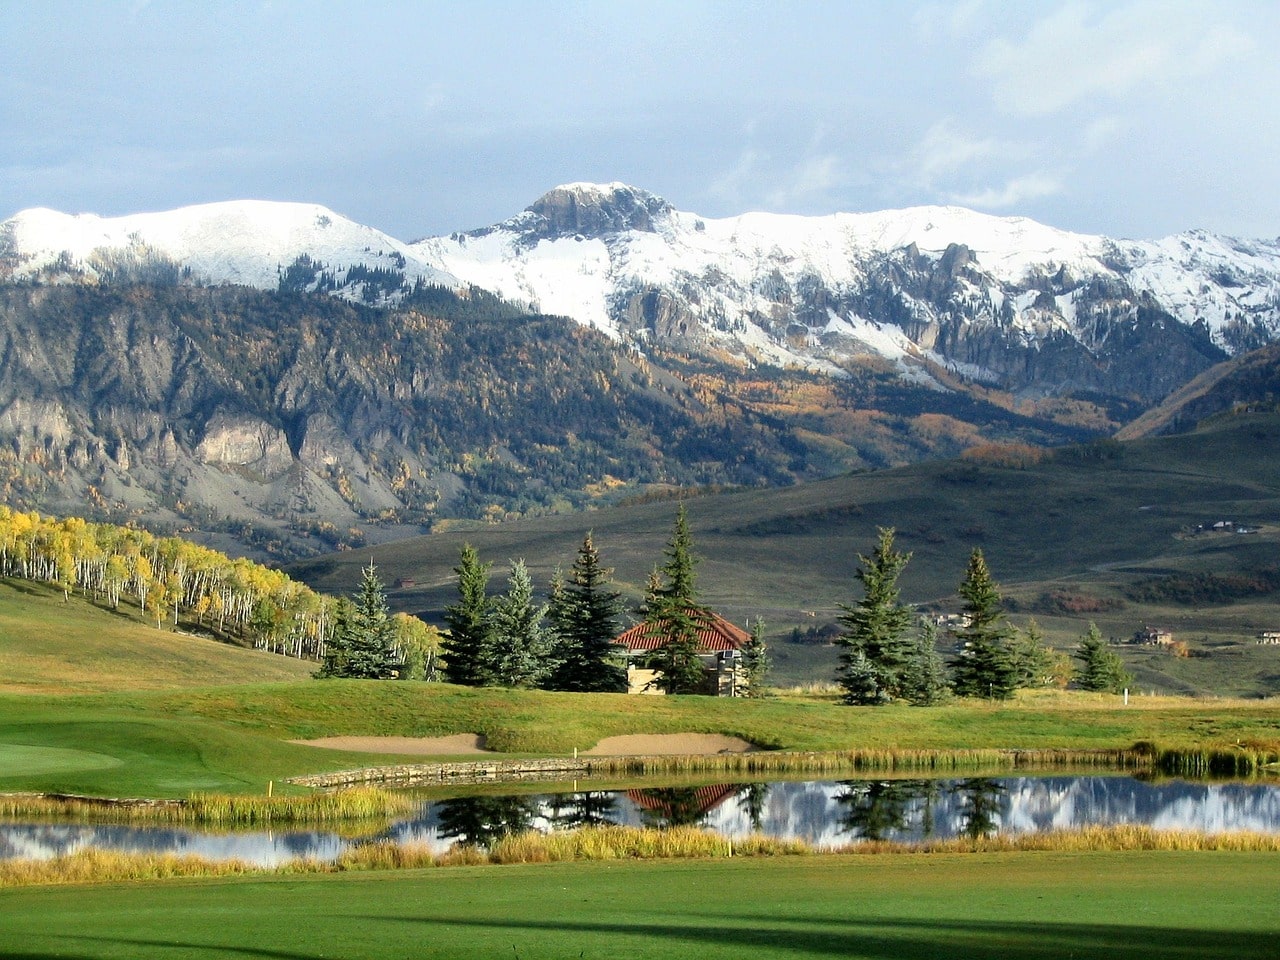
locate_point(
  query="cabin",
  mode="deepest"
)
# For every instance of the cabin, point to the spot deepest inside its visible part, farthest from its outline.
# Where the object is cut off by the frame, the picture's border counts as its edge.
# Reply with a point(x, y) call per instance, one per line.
point(1153, 637)
point(1269, 637)
point(720, 646)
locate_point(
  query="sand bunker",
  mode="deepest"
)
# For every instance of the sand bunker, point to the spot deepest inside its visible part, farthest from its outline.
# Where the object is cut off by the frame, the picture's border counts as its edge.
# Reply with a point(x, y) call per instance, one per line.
point(458, 743)
point(669, 744)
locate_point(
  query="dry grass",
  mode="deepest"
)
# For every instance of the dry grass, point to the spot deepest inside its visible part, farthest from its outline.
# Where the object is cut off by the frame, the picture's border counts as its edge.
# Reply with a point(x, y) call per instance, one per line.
point(355, 803)
point(616, 843)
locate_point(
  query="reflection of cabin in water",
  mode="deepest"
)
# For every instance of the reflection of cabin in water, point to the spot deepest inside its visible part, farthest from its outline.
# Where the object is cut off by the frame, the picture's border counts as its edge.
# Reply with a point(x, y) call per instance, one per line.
point(720, 646)
point(1153, 637)
point(682, 805)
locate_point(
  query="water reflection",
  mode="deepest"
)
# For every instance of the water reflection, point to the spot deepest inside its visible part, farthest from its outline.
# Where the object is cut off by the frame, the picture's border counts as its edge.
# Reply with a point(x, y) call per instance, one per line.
point(820, 812)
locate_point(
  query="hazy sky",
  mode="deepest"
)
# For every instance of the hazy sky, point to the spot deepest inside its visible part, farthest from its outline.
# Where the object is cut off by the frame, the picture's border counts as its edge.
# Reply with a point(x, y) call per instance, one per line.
point(1134, 119)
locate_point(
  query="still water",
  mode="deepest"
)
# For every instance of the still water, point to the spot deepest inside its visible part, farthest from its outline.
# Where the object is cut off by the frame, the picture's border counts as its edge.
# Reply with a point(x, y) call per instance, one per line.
point(824, 813)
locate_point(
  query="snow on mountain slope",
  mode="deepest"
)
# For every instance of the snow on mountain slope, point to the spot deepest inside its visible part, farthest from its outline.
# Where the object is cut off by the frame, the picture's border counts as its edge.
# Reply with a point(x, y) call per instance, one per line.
point(807, 289)
point(247, 242)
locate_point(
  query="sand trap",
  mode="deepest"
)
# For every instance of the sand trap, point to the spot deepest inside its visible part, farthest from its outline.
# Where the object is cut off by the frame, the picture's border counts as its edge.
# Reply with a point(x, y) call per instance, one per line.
point(458, 743)
point(669, 744)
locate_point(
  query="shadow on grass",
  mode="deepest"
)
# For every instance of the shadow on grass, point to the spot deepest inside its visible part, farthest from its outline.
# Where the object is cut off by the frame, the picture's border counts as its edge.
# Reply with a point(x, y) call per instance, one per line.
point(908, 939)
point(173, 948)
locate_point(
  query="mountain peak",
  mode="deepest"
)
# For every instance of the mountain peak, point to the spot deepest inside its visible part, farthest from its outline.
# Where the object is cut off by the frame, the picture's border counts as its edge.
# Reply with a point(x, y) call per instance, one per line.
point(596, 209)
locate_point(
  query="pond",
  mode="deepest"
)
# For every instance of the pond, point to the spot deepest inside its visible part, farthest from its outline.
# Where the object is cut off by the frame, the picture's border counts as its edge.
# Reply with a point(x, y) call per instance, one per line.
point(824, 813)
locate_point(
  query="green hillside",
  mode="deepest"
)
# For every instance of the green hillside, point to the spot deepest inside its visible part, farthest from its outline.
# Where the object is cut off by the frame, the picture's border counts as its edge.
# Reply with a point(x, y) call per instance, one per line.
point(48, 645)
point(1088, 533)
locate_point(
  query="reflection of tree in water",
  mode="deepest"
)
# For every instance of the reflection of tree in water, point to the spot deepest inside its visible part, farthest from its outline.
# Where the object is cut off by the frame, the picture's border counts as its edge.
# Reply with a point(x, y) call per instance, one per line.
point(872, 809)
point(591, 809)
point(751, 798)
point(980, 802)
point(479, 821)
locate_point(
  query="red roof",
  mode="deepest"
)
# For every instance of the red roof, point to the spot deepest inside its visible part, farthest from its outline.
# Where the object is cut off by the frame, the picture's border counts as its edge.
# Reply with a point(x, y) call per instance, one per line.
point(715, 635)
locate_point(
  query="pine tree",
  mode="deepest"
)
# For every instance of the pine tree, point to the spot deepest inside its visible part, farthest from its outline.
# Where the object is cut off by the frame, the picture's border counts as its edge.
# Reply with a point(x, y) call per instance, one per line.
point(584, 614)
point(467, 621)
point(876, 628)
point(1033, 660)
point(755, 661)
point(673, 613)
point(984, 667)
point(370, 631)
point(924, 681)
point(1101, 668)
point(336, 650)
point(517, 645)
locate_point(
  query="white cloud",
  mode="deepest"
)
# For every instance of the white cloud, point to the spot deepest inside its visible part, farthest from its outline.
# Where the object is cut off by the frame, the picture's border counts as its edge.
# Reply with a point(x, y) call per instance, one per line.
point(811, 179)
point(1079, 52)
point(1017, 191)
point(945, 149)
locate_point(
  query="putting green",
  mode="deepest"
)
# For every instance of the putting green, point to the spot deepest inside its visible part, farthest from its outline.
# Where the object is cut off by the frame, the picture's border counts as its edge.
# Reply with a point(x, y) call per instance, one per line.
point(22, 760)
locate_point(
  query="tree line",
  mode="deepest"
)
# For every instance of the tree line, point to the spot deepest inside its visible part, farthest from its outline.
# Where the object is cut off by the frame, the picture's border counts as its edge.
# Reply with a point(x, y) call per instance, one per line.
point(171, 580)
point(885, 657)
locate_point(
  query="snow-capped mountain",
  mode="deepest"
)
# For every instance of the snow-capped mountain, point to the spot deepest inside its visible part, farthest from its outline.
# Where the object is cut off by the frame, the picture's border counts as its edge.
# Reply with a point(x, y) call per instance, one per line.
point(934, 291)
point(996, 298)
point(251, 242)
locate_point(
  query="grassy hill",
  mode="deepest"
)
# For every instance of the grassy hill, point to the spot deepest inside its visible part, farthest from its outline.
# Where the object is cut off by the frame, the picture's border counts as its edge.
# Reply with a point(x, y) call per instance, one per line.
point(48, 645)
point(1087, 533)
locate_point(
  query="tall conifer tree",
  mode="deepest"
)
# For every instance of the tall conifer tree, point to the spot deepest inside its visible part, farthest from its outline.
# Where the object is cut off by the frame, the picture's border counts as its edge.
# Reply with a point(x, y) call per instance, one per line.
point(468, 621)
point(674, 614)
point(584, 613)
point(985, 665)
point(876, 627)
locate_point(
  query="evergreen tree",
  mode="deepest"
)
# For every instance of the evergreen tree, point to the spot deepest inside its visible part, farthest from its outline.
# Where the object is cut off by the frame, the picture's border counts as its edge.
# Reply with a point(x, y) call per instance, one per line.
point(1033, 660)
point(755, 661)
point(467, 621)
point(673, 613)
point(1101, 668)
point(984, 667)
point(924, 681)
point(517, 645)
point(876, 628)
point(337, 651)
point(584, 614)
point(370, 631)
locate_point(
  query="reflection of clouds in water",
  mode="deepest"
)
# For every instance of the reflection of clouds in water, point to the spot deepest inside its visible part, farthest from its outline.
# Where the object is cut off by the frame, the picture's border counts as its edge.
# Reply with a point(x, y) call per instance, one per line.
point(822, 813)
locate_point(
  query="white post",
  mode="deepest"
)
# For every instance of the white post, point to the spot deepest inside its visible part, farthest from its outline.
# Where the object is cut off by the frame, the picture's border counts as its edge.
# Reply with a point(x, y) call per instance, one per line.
point(1126, 696)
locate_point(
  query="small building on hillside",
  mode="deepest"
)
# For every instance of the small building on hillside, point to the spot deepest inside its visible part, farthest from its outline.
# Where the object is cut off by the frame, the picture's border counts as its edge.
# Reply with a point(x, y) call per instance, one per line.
point(1153, 637)
point(1269, 637)
point(720, 646)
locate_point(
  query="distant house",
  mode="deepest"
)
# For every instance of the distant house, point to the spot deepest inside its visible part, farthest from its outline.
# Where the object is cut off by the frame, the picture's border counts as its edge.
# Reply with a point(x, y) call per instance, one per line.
point(1153, 637)
point(720, 646)
point(404, 583)
point(1269, 637)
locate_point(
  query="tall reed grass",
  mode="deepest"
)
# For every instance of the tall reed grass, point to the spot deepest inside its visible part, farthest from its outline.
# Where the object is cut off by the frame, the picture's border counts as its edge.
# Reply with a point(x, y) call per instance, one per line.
point(355, 803)
point(617, 843)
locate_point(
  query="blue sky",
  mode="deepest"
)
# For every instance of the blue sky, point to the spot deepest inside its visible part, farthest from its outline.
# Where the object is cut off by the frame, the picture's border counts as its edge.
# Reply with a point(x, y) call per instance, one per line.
point(1132, 118)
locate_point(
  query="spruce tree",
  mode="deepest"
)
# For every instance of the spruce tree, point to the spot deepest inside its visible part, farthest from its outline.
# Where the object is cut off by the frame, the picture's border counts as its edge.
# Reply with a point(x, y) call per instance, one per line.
point(673, 614)
point(584, 613)
point(370, 631)
point(984, 667)
point(336, 650)
point(876, 629)
point(755, 661)
point(467, 621)
point(1033, 660)
point(924, 681)
point(1101, 668)
point(517, 645)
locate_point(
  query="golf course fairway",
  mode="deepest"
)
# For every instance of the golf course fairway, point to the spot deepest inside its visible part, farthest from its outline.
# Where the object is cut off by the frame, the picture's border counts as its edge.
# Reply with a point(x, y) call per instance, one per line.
point(1012, 906)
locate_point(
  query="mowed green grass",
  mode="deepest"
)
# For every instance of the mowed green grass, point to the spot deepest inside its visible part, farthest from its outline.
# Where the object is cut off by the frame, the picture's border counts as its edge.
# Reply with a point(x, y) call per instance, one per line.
point(48, 645)
point(234, 739)
point(1011, 906)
